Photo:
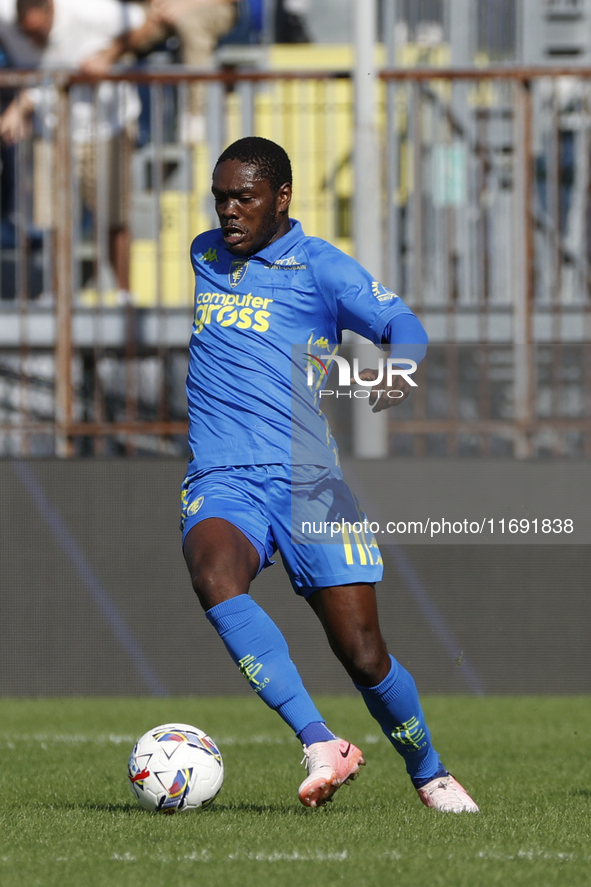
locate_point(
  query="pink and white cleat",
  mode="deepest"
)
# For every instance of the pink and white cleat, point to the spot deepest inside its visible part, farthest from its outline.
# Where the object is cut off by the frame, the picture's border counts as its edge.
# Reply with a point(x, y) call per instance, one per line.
point(446, 794)
point(330, 764)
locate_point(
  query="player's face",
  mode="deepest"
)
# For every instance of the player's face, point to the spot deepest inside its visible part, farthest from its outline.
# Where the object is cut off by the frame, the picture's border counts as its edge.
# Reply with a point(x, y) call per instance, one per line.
point(251, 215)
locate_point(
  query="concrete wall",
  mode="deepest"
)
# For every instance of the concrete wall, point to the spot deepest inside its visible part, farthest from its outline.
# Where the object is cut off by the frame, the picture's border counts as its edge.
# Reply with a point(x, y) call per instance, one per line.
point(95, 599)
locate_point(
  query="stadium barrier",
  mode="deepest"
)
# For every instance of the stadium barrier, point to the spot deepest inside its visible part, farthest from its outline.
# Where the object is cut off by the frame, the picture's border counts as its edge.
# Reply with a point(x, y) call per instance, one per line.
point(485, 204)
point(96, 598)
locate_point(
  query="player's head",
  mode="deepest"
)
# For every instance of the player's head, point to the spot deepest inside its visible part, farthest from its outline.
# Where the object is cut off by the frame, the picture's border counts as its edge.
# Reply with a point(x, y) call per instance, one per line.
point(35, 19)
point(252, 188)
point(267, 157)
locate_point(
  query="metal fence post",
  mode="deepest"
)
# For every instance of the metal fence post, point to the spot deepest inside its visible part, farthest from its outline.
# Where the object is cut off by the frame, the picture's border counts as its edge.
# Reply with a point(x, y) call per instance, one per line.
point(62, 197)
point(370, 430)
point(523, 270)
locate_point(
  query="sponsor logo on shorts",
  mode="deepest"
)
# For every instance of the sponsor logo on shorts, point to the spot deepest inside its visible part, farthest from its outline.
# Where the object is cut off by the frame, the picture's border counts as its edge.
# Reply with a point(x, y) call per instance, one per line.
point(195, 506)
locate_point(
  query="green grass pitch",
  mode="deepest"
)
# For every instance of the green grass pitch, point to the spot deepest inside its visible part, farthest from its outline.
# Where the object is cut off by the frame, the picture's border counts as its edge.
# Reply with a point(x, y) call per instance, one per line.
point(67, 816)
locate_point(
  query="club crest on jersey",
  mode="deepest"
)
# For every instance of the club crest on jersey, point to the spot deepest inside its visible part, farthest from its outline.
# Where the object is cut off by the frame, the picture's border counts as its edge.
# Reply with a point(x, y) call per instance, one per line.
point(237, 271)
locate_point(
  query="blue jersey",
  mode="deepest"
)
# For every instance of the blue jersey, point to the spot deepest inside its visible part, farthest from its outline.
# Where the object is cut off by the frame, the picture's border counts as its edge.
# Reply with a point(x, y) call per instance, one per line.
point(248, 400)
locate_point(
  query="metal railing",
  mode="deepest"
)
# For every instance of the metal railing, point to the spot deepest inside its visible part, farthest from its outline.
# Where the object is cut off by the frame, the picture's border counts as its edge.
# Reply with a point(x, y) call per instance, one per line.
point(486, 234)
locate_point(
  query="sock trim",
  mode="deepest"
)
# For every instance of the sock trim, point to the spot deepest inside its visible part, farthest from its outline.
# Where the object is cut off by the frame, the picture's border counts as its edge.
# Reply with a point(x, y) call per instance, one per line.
point(317, 731)
point(385, 683)
point(229, 613)
point(419, 782)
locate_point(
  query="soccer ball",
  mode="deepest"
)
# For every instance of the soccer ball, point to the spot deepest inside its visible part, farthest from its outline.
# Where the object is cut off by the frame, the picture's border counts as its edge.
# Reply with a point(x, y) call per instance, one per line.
point(174, 768)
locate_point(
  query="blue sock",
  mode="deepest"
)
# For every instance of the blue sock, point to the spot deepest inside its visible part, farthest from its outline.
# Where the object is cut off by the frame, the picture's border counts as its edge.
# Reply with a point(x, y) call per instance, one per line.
point(317, 732)
point(261, 653)
point(395, 705)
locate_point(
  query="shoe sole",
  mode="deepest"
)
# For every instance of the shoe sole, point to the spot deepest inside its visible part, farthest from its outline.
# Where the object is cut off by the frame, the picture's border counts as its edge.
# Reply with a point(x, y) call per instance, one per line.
point(320, 791)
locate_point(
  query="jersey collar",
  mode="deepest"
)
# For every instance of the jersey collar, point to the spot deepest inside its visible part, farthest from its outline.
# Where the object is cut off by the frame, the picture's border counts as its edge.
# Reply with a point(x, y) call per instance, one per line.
point(285, 244)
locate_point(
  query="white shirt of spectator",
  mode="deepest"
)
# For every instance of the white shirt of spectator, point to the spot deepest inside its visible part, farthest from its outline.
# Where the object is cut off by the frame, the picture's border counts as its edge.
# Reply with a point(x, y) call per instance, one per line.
point(82, 28)
point(8, 11)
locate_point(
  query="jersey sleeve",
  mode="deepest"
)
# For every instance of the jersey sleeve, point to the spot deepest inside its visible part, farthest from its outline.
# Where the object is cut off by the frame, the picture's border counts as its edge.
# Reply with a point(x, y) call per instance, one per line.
point(357, 301)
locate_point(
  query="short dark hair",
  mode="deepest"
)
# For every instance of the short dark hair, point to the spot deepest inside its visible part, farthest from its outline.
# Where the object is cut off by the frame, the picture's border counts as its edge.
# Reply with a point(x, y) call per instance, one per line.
point(23, 6)
point(269, 158)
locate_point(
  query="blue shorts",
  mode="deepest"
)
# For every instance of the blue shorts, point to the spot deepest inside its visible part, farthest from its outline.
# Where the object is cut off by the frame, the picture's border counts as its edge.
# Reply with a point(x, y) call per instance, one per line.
point(289, 510)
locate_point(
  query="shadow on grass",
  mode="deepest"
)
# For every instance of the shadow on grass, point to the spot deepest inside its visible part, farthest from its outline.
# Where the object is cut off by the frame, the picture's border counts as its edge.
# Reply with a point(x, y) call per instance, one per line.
point(129, 808)
point(260, 809)
point(97, 807)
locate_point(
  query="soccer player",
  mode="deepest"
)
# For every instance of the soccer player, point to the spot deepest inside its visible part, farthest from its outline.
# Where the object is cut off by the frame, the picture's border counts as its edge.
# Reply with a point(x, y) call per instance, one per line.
point(262, 286)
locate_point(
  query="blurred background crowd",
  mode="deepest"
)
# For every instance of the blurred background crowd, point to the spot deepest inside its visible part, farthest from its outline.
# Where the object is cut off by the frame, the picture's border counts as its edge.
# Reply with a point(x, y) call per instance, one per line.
point(93, 36)
point(473, 202)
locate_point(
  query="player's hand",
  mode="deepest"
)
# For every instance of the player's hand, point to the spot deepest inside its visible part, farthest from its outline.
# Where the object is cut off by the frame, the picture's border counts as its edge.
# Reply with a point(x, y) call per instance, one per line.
point(381, 395)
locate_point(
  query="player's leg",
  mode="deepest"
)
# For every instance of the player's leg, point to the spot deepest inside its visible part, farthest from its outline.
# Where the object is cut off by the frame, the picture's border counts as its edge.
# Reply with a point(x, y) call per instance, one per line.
point(222, 562)
point(334, 561)
point(349, 616)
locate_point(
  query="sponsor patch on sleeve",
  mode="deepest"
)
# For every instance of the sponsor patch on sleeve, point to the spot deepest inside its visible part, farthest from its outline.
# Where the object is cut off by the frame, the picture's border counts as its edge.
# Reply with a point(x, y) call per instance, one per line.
point(381, 293)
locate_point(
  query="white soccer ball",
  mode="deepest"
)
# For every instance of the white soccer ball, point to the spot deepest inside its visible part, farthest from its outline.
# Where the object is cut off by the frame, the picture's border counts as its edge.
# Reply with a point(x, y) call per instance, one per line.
point(175, 767)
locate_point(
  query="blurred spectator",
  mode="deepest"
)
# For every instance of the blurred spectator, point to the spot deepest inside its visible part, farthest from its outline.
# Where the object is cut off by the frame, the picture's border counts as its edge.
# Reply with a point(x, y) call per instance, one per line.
point(290, 22)
point(18, 50)
point(88, 35)
point(250, 24)
point(199, 25)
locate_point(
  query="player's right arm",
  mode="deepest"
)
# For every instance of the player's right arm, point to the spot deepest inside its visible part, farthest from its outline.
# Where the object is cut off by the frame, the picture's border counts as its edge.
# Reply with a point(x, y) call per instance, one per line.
point(407, 338)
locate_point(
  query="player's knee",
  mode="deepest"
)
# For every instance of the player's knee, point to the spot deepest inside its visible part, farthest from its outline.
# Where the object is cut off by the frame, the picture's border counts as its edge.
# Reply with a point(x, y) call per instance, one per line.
point(220, 560)
point(213, 585)
point(207, 586)
point(366, 664)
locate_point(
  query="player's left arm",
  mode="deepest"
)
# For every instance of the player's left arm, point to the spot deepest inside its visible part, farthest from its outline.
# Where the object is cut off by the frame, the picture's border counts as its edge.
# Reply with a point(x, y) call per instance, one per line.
point(361, 304)
point(407, 338)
